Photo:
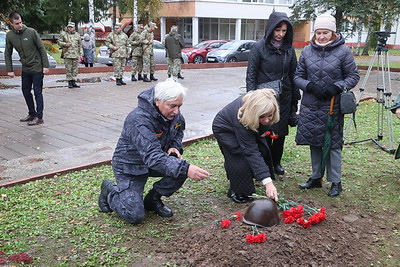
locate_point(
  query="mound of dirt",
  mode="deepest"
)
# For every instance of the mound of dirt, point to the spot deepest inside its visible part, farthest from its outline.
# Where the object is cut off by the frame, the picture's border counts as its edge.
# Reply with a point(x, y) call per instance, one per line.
point(340, 240)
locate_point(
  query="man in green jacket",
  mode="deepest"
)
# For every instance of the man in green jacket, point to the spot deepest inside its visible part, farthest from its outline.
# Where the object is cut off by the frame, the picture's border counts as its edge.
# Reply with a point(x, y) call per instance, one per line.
point(174, 44)
point(33, 56)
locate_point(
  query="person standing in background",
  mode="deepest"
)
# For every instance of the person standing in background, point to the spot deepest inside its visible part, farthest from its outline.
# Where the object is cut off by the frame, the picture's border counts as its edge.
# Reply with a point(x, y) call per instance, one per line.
point(274, 58)
point(88, 50)
point(149, 66)
point(71, 45)
point(136, 53)
point(35, 64)
point(326, 67)
point(117, 42)
point(174, 43)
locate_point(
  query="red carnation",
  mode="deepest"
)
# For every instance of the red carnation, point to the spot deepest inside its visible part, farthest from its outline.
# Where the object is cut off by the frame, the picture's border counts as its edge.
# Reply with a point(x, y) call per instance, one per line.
point(225, 223)
point(2, 261)
point(289, 219)
point(238, 216)
point(20, 257)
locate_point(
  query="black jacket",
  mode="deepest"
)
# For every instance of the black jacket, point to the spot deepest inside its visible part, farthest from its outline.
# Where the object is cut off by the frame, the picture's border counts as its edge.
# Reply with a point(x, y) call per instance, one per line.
point(145, 139)
point(333, 64)
point(267, 63)
point(237, 139)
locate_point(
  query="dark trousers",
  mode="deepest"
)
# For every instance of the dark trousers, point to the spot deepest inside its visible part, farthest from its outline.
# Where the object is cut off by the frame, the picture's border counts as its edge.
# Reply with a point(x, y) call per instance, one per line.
point(276, 148)
point(33, 81)
point(238, 169)
point(127, 197)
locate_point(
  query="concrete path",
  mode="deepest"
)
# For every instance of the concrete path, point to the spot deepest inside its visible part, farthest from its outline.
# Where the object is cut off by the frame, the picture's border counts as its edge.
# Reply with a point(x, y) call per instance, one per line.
point(82, 125)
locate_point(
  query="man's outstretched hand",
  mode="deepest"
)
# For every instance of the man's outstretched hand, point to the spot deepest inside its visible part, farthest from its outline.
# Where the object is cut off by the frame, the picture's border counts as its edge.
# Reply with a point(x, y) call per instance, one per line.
point(197, 173)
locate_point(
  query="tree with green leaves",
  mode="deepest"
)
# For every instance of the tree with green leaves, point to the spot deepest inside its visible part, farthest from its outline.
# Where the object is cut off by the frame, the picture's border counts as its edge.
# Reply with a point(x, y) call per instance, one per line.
point(148, 10)
point(49, 16)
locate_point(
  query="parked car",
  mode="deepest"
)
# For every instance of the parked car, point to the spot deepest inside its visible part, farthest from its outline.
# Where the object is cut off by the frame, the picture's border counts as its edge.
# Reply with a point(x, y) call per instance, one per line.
point(15, 57)
point(198, 53)
point(159, 55)
point(233, 51)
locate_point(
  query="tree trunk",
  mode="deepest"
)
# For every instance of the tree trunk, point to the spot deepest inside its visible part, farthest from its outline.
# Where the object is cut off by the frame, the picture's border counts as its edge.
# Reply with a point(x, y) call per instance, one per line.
point(367, 43)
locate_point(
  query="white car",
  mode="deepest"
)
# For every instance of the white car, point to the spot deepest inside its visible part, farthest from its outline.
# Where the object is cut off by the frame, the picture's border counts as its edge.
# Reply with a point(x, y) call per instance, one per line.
point(159, 55)
point(15, 57)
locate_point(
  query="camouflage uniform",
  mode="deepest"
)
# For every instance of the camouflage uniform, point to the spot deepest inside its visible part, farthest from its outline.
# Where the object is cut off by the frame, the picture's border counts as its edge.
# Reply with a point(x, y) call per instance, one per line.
point(136, 52)
point(72, 53)
point(174, 44)
point(147, 37)
point(117, 42)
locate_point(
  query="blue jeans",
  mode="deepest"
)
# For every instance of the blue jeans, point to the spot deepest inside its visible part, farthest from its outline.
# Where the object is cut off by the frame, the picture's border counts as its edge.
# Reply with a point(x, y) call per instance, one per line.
point(33, 80)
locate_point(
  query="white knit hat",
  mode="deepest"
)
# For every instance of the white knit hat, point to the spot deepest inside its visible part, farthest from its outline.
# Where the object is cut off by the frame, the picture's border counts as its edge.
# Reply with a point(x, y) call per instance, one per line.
point(325, 21)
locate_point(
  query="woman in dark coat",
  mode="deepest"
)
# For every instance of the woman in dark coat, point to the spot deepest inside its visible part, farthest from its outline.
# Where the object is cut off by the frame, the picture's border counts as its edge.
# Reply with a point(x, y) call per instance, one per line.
point(274, 58)
point(326, 67)
point(241, 131)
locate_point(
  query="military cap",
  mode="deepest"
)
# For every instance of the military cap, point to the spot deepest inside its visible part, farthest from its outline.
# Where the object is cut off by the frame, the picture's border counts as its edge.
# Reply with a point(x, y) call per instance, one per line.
point(71, 24)
point(152, 24)
point(139, 26)
point(117, 25)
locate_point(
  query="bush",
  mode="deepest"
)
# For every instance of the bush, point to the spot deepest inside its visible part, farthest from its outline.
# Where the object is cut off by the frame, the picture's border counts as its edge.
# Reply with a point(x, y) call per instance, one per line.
point(47, 45)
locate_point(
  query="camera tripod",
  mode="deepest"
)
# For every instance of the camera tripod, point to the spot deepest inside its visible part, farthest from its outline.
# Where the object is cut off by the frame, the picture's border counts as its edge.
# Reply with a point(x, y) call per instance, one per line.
point(383, 97)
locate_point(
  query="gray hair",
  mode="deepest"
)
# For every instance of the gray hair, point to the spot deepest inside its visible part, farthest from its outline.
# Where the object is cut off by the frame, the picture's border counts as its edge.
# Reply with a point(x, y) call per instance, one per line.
point(174, 28)
point(169, 90)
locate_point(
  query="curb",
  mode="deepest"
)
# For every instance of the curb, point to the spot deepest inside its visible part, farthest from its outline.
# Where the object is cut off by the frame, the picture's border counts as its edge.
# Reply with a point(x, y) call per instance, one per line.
point(85, 166)
point(55, 71)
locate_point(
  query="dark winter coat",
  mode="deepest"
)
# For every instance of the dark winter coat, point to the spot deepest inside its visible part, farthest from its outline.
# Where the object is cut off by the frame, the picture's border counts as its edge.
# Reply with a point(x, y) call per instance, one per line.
point(33, 55)
point(146, 137)
point(237, 139)
point(174, 44)
point(266, 64)
point(333, 64)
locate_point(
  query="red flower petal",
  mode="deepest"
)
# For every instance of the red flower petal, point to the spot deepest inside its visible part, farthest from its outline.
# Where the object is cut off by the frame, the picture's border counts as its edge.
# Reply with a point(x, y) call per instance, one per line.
point(20, 257)
point(225, 223)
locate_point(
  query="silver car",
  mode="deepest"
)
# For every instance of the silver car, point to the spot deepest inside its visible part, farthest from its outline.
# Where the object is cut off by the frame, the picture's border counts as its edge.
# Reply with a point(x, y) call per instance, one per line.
point(159, 55)
point(15, 57)
point(233, 51)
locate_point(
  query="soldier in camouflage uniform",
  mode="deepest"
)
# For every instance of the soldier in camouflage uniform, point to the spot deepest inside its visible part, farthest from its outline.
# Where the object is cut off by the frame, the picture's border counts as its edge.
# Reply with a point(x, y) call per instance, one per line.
point(149, 66)
point(70, 42)
point(174, 44)
point(136, 52)
point(117, 42)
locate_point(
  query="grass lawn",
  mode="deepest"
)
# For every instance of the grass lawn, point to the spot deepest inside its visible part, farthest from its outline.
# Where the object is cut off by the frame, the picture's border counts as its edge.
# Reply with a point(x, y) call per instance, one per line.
point(56, 221)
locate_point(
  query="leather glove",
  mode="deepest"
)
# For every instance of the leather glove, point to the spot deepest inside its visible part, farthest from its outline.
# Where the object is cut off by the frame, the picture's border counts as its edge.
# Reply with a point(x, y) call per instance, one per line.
point(293, 119)
point(332, 90)
point(316, 90)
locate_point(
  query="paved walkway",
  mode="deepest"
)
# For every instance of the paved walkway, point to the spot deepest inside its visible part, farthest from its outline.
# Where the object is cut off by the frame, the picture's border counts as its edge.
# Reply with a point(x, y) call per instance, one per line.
point(82, 125)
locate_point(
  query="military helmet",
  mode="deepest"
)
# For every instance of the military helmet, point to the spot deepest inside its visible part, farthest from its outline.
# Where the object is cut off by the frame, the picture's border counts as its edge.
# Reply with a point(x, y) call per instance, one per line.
point(262, 212)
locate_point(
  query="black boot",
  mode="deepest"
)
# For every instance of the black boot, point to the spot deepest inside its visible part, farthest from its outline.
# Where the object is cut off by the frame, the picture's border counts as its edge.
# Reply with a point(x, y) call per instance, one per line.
point(152, 78)
point(70, 84)
point(118, 81)
point(140, 78)
point(180, 76)
point(238, 198)
point(153, 202)
point(75, 85)
point(133, 78)
point(145, 79)
point(312, 183)
point(335, 190)
point(122, 82)
point(169, 75)
point(279, 169)
point(106, 187)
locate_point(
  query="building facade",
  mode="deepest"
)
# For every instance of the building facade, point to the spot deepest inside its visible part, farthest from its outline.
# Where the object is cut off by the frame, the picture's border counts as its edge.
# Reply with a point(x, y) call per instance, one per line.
point(199, 20)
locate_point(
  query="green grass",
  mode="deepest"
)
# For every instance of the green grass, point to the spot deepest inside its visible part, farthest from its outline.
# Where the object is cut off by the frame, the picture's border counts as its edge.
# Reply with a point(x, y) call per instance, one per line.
point(57, 222)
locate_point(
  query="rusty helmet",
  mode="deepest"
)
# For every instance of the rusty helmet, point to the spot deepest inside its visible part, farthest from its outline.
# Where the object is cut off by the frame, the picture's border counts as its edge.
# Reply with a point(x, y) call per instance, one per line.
point(262, 212)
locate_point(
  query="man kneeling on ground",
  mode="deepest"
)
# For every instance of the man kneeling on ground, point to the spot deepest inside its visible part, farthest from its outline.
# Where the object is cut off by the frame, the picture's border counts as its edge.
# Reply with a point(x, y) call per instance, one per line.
point(150, 145)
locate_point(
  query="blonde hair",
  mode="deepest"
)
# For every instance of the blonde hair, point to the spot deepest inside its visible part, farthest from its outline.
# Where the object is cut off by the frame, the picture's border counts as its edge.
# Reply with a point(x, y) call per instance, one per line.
point(255, 104)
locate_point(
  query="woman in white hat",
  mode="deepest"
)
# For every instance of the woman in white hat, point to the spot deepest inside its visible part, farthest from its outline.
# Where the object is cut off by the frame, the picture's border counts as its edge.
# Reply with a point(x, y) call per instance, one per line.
point(326, 67)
